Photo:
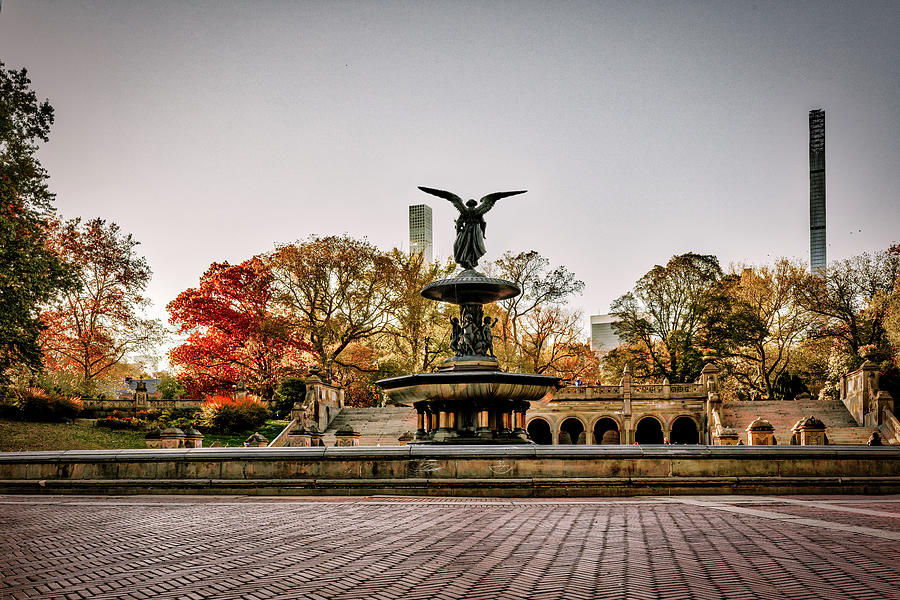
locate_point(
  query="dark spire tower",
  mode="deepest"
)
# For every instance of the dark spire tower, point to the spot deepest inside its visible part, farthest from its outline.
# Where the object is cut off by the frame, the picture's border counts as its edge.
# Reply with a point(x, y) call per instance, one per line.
point(817, 258)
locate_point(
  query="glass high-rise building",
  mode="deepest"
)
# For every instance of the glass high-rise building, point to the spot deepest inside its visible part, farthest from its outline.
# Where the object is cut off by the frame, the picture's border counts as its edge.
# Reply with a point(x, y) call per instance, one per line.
point(817, 259)
point(420, 238)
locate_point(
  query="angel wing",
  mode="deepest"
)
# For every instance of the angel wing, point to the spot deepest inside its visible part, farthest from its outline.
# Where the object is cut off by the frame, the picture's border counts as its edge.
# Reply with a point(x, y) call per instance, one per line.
point(456, 200)
point(487, 203)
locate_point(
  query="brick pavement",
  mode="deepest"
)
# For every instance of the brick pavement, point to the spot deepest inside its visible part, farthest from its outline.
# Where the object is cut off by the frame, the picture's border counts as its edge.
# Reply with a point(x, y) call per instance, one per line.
point(240, 547)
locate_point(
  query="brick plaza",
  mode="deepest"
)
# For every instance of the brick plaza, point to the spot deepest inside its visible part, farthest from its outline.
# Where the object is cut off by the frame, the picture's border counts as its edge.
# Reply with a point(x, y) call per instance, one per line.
point(193, 547)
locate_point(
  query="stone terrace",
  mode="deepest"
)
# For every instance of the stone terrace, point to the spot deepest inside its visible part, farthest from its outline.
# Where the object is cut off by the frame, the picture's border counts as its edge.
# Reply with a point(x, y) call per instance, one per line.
point(227, 548)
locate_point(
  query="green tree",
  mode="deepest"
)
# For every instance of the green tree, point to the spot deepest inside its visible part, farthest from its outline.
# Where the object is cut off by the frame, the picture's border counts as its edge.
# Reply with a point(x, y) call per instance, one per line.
point(669, 312)
point(30, 274)
point(418, 333)
point(289, 391)
point(169, 387)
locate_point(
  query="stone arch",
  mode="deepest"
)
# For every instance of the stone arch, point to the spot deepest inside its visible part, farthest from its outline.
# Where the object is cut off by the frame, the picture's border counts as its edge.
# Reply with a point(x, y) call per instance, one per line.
point(684, 430)
point(573, 429)
point(609, 427)
point(539, 431)
point(648, 430)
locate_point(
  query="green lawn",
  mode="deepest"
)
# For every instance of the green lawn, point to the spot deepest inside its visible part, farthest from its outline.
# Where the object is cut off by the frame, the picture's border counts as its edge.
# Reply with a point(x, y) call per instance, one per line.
point(271, 429)
point(19, 436)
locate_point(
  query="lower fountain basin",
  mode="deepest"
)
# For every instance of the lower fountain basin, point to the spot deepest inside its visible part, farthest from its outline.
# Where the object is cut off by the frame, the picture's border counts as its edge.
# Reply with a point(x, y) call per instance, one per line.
point(468, 387)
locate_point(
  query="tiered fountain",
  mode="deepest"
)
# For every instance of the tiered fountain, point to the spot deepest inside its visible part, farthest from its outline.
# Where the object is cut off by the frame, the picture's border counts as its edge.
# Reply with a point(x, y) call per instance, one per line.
point(470, 400)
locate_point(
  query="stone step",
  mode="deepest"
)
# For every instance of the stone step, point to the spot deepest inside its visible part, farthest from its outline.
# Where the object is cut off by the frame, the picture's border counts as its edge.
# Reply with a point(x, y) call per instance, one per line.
point(377, 426)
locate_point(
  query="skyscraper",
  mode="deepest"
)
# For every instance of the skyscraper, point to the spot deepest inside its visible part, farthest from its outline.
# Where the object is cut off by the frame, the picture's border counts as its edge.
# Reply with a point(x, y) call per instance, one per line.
point(817, 258)
point(420, 239)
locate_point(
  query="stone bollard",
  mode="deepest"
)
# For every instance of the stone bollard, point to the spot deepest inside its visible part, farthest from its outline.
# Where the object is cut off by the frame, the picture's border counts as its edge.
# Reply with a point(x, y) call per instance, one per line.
point(315, 436)
point(257, 440)
point(172, 437)
point(727, 437)
point(193, 438)
point(809, 431)
point(298, 437)
point(761, 433)
point(346, 436)
point(152, 439)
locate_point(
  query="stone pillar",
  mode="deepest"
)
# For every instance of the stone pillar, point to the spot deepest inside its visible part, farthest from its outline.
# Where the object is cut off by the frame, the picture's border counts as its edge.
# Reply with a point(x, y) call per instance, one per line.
point(761, 433)
point(809, 431)
point(171, 437)
point(315, 436)
point(883, 399)
point(141, 397)
point(421, 429)
point(257, 440)
point(298, 437)
point(152, 439)
point(193, 438)
point(346, 436)
point(727, 437)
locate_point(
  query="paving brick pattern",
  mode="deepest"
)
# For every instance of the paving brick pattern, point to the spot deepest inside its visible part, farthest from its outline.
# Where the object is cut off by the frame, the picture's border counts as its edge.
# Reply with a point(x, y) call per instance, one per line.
point(343, 549)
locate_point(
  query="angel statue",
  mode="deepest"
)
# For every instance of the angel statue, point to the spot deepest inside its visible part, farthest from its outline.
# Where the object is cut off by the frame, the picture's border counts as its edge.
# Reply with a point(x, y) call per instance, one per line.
point(470, 225)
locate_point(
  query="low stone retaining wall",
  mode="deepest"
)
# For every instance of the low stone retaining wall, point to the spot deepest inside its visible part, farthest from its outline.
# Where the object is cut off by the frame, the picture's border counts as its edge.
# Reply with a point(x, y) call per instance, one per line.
point(536, 471)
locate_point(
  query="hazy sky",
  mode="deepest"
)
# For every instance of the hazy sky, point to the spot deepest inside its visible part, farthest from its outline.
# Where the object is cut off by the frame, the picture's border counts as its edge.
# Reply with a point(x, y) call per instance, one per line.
point(214, 130)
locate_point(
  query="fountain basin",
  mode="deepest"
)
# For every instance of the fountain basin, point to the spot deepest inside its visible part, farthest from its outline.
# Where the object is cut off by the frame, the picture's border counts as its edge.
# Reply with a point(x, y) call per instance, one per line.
point(470, 287)
point(468, 387)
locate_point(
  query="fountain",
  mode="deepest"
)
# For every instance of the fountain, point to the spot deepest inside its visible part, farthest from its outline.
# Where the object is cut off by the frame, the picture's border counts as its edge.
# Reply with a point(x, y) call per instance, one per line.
point(470, 400)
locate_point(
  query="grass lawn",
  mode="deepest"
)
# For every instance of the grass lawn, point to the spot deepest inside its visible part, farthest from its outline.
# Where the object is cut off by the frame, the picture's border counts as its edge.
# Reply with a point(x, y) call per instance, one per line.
point(19, 436)
point(271, 429)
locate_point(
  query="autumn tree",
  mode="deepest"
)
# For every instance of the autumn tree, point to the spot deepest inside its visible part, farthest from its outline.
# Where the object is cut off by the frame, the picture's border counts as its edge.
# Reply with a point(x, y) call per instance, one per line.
point(774, 326)
point(418, 332)
point(334, 292)
point(91, 329)
point(234, 332)
point(535, 330)
point(851, 298)
point(31, 275)
point(669, 312)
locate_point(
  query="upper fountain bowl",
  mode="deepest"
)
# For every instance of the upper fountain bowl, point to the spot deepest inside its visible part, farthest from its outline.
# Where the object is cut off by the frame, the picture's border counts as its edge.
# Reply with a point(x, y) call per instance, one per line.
point(470, 287)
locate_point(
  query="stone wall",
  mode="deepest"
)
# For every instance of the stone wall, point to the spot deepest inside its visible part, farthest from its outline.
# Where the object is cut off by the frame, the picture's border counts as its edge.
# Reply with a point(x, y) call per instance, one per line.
point(475, 471)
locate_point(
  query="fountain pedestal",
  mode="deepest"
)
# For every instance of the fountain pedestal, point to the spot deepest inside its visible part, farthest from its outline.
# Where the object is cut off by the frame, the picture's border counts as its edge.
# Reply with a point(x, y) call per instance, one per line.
point(470, 400)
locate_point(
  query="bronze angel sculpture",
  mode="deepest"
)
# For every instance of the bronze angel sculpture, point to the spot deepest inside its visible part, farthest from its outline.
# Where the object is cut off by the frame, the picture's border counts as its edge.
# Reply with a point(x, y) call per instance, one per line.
point(470, 225)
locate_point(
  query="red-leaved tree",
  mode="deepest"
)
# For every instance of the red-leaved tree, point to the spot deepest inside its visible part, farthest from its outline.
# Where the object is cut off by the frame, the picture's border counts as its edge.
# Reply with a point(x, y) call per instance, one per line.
point(234, 333)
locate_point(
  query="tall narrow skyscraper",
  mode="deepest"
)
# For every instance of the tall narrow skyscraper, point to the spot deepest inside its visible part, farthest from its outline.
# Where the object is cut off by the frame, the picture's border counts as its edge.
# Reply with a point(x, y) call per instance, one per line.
point(420, 239)
point(817, 259)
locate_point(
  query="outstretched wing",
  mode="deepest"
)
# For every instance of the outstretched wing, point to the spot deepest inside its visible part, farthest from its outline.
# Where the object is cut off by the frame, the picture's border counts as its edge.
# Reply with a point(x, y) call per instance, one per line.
point(456, 200)
point(488, 201)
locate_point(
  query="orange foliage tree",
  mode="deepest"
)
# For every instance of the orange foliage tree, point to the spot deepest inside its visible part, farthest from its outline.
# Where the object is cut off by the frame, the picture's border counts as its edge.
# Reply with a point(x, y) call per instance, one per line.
point(93, 328)
point(234, 332)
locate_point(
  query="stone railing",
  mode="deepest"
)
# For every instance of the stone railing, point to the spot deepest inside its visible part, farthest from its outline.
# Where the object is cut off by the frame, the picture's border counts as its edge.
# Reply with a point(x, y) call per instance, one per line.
point(281, 439)
point(592, 392)
point(93, 405)
point(892, 426)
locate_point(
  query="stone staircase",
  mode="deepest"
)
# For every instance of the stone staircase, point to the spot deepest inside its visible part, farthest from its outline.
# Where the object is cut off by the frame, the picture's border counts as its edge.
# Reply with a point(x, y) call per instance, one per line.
point(377, 426)
point(782, 414)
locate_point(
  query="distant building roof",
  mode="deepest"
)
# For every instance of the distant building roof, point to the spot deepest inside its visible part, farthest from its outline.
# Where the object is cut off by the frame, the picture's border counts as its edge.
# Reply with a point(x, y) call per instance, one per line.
point(131, 385)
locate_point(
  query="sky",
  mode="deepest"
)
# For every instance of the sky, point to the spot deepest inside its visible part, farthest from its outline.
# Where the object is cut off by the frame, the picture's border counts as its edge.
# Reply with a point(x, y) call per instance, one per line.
point(213, 131)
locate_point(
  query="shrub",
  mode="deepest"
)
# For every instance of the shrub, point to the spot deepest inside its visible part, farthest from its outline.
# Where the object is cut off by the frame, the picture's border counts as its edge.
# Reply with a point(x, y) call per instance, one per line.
point(119, 421)
point(221, 414)
point(36, 404)
point(183, 418)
